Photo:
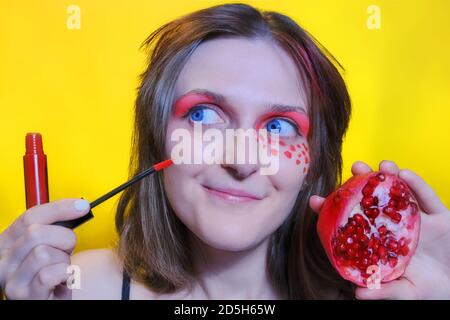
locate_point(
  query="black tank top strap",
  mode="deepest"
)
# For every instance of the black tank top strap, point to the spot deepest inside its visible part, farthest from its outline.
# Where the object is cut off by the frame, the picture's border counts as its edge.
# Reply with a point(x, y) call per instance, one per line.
point(125, 286)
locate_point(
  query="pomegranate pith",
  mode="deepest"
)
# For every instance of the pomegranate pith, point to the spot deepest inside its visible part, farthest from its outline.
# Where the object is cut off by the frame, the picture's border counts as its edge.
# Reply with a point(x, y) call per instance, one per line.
point(372, 222)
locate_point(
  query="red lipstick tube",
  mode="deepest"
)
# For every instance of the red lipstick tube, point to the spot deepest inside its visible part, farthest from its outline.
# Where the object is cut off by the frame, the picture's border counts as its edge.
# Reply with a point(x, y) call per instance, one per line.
point(35, 171)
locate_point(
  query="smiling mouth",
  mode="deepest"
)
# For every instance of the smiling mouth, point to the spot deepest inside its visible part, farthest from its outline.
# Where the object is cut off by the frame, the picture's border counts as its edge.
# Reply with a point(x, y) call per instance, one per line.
point(232, 195)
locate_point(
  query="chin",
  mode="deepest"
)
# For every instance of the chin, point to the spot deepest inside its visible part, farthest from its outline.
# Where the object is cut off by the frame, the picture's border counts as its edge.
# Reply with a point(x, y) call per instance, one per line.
point(229, 235)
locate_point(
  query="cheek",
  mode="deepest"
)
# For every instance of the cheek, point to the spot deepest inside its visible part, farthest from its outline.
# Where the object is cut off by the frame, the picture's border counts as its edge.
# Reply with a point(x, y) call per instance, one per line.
point(293, 166)
point(172, 125)
point(181, 190)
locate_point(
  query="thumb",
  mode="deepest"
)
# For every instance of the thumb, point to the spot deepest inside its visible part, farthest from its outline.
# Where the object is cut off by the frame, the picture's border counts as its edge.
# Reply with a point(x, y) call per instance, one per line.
point(399, 289)
point(316, 202)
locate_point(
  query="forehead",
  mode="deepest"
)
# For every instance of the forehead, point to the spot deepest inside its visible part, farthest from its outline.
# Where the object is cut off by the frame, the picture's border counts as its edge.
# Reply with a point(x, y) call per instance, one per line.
point(255, 70)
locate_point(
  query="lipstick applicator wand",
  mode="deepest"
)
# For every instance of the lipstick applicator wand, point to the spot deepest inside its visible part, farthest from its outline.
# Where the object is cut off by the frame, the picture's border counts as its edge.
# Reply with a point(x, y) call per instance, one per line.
point(76, 222)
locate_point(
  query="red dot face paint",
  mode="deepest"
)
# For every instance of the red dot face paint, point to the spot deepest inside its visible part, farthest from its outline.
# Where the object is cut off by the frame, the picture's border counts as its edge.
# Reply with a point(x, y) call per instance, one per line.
point(297, 153)
point(305, 146)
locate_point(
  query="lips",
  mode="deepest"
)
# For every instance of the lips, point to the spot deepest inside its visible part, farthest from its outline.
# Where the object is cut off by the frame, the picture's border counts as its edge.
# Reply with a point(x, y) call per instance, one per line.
point(234, 195)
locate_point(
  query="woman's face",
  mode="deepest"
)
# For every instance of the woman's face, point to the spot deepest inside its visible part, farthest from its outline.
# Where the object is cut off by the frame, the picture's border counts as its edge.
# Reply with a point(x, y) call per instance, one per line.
point(232, 83)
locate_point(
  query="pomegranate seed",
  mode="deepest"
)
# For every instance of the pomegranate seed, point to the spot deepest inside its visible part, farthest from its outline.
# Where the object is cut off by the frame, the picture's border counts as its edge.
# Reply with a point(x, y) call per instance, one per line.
point(393, 214)
point(367, 202)
point(365, 263)
point(364, 240)
point(371, 242)
point(392, 245)
point(393, 261)
point(374, 259)
point(367, 190)
point(350, 230)
point(396, 193)
point(351, 253)
point(374, 212)
point(381, 177)
point(392, 203)
point(382, 252)
point(396, 217)
point(382, 230)
point(404, 250)
point(402, 204)
point(358, 218)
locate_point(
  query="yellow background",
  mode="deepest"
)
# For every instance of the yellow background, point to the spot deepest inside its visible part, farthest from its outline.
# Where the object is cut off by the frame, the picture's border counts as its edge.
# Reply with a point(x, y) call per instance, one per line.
point(77, 88)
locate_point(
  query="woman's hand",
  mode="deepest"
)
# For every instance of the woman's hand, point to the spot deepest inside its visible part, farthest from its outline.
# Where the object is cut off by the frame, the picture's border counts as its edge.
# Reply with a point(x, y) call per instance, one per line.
point(34, 255)
point(427, 275)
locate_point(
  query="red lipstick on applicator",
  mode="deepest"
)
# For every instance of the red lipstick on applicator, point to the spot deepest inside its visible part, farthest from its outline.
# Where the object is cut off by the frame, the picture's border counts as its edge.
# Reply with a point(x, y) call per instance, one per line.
point(36, 182)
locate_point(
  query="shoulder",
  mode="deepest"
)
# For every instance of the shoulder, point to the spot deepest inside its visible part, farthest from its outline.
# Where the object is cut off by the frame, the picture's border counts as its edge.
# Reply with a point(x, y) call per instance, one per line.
point(100, 274)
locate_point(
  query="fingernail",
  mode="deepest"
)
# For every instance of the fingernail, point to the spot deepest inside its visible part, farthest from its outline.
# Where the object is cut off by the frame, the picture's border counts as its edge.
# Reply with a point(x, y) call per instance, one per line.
point(81, 205)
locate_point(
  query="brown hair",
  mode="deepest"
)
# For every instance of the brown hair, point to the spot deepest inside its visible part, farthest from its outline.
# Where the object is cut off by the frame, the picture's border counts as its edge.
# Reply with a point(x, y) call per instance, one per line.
point(153, 242)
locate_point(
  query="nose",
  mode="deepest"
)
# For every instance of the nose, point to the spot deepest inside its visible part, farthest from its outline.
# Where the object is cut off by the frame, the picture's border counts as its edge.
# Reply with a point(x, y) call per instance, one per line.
point(244, 154)
point(241, 171)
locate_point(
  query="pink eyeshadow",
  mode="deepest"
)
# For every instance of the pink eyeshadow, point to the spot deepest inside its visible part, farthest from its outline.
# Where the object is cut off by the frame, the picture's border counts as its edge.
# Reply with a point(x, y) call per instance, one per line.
point(186, 102)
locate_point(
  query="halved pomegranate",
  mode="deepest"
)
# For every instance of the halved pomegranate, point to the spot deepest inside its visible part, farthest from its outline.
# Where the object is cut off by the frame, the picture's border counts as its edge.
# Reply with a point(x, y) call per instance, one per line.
point(371, 222)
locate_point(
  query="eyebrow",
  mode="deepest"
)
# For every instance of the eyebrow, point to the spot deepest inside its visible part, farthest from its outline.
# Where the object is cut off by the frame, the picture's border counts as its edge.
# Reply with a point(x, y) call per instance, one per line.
point(221, 99)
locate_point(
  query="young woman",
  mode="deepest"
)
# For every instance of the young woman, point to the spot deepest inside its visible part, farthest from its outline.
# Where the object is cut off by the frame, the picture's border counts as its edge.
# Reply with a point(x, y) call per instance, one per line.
point(224, 231)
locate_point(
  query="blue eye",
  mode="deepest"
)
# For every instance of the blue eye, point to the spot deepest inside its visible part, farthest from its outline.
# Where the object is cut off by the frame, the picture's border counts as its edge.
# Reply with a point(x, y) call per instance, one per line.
point(282, 127)
point(205, 115)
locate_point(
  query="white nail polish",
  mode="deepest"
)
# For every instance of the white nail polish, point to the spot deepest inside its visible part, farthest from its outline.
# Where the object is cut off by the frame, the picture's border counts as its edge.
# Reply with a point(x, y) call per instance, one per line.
point(81, 205)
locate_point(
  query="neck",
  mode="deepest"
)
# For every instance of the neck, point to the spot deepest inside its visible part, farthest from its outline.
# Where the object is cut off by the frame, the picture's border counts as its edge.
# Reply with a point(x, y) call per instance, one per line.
point(223, 274)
